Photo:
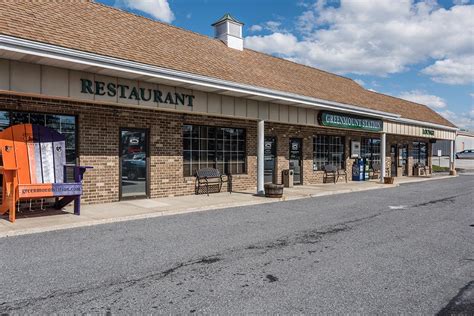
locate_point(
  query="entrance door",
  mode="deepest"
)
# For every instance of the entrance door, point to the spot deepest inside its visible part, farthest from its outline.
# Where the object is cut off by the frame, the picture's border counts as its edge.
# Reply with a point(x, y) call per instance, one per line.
point(296, 163)
point(269, 159)
point(403, 159)
point(133, 163)
point(394, 160)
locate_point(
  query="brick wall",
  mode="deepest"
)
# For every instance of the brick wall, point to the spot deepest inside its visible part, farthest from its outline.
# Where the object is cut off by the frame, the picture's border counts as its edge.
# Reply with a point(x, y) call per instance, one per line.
point(99, 127)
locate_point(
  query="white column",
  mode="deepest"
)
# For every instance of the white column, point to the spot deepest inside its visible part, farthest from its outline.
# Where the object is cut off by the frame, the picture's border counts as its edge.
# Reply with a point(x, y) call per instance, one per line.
point(451, 157)
point(260, 156)
point(383, 151)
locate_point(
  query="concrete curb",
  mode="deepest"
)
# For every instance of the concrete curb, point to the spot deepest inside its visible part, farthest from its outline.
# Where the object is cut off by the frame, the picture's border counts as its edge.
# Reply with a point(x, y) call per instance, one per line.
point(95, 222)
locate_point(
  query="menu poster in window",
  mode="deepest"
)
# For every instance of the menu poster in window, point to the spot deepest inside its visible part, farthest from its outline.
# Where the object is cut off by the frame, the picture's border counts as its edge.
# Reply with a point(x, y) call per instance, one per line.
point(268, 148)
point(355, 149)
point(294, 150)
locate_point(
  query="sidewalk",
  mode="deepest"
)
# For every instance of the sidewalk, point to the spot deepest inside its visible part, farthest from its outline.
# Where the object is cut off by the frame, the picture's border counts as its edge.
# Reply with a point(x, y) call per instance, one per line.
point(40, 221)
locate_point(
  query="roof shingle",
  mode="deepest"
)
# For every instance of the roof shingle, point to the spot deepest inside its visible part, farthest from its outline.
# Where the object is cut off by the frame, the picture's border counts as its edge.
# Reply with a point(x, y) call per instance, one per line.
point(96, 28)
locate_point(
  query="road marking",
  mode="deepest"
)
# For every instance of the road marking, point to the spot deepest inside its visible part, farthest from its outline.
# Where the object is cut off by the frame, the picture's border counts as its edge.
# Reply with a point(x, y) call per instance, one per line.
point(397, 207)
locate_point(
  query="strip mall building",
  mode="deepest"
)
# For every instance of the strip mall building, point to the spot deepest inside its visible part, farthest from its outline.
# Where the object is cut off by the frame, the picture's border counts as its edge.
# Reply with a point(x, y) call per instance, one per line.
point(146, 104)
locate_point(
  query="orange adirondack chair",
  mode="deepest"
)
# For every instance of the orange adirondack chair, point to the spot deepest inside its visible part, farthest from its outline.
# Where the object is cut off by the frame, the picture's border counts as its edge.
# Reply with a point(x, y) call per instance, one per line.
point(34, 167)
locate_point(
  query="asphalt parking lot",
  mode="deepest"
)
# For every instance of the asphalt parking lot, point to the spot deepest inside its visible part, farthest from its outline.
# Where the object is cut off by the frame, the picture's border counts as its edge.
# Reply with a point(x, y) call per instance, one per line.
point(403, 250)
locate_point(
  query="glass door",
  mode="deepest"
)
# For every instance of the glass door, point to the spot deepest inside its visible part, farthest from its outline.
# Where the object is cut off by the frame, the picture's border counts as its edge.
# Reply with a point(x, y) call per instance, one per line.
point(296, 164)
point(269, 159)
point(393, 159)
point(403, 159)
point(133, 163)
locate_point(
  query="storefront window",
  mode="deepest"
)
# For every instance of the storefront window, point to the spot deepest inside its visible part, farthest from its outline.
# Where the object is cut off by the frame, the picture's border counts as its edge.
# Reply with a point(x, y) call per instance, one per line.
point(328, 150)
point(64, 124)
point(370, 149)
point(213, 147)
point(420, 150)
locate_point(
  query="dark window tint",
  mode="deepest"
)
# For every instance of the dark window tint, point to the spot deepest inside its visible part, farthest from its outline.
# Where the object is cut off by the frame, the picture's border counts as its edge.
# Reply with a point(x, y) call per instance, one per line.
point(370, 149)
point(420, 153)
point(214, 147)
point(328, 150)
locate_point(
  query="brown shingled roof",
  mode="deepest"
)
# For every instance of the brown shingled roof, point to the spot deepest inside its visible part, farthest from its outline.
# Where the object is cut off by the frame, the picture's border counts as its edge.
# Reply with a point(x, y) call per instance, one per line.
point(100, 29)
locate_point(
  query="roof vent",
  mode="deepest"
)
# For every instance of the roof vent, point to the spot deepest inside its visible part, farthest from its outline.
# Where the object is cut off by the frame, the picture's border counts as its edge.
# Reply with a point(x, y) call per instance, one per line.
point(229, 30)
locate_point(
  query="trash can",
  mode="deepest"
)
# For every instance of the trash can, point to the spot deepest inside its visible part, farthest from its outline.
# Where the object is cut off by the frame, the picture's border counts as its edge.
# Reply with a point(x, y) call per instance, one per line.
point(287, 177)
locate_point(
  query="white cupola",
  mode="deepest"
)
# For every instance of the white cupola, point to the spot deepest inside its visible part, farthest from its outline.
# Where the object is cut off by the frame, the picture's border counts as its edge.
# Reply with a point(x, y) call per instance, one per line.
point(229, 30)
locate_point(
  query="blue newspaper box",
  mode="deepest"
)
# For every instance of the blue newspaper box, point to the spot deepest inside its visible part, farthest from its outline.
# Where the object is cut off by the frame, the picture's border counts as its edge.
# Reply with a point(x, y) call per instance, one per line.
point(358, 170)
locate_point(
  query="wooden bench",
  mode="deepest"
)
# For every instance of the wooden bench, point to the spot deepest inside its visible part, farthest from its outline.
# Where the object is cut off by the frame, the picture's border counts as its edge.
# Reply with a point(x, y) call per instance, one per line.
point(331, 171)
point(34, 167)
point(211, 177)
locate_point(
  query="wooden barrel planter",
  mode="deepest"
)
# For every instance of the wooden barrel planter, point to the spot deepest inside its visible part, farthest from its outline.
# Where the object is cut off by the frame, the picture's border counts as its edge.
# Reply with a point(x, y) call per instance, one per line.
point(273, 190)
point(388, 180)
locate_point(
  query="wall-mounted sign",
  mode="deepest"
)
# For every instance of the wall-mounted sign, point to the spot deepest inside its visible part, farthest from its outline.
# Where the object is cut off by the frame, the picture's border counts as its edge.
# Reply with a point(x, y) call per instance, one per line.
point(355, 149)
point(133, 93)
point(340, 120)
point(428, 132)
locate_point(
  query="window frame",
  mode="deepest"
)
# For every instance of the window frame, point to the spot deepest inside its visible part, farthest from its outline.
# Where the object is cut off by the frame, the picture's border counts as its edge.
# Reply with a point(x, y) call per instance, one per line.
point(370, 151)
point(327, 152)
point(416, 152)
point(215, 163)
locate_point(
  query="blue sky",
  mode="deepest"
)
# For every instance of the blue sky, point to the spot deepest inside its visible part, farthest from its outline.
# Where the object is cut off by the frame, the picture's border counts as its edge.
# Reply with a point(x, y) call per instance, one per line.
point(418, 50)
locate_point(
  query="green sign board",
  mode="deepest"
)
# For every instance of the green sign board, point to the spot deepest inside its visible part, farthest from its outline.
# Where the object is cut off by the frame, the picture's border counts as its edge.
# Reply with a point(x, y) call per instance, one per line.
point(428, 132)
point(340, 120)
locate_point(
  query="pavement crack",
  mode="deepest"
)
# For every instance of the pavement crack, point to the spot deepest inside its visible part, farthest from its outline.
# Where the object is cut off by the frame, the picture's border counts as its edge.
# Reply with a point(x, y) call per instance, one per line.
point(448, 199)
point(6, 307)
point(312, 236)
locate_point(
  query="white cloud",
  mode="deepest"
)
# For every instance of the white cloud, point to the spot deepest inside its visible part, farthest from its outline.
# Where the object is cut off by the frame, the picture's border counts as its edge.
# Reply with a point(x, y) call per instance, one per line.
point(159, 9)
point(276, 43)
point(378, 38)
point(422, 97)
point(449, 71)
point(463, 120)
point(272, 26)
point(255, 28)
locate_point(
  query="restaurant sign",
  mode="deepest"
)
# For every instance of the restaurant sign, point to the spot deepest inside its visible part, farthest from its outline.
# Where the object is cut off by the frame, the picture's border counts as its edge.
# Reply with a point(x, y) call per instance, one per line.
point(340, 120)
point(126, 92)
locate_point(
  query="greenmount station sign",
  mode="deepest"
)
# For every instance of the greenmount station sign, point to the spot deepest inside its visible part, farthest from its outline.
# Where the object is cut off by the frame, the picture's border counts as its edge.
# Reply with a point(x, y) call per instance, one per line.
point(339, 120)
point(126, 92)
